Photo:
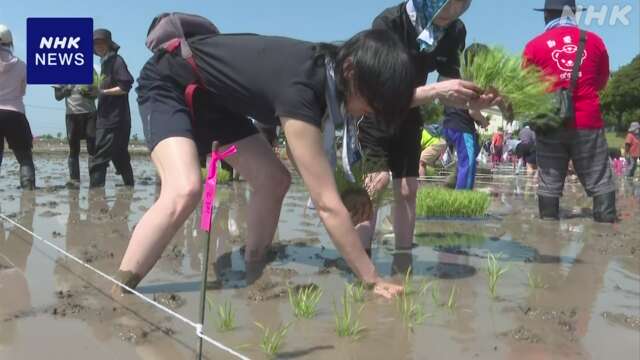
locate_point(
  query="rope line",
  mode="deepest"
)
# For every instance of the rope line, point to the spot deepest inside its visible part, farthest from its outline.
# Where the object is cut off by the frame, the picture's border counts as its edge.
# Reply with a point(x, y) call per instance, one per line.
point(197, 327)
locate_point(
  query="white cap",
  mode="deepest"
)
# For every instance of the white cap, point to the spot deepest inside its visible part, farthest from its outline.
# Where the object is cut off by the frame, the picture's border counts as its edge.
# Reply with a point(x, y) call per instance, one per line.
point(5, 35)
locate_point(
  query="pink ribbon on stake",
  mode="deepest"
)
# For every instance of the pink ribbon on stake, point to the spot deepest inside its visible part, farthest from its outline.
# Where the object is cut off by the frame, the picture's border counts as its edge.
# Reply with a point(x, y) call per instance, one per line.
point(209, 197)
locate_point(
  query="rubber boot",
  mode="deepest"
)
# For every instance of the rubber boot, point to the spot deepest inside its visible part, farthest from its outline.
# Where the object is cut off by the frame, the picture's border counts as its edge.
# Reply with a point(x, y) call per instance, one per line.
point(74, 169)
point(97, 177)
point(549, 208)
point(604, 208)
point(127, 177)
point(27, 169)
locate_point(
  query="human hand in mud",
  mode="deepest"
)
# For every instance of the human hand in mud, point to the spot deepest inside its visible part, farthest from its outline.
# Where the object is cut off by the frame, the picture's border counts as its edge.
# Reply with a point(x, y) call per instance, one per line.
point(386, 289)
point(359, 205)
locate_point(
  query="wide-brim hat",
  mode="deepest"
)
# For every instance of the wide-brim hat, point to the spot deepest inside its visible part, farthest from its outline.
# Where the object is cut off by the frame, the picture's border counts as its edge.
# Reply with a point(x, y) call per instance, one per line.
point(104, 34)
point(560, 5)
point(635, 126)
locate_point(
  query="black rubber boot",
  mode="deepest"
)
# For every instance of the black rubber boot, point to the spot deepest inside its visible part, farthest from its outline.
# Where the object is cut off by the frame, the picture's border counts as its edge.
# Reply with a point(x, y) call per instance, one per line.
point(27, 169)
point(604, 208)
point(74, 169)
point(97, 178)
point(127, 177)
point(549, 208)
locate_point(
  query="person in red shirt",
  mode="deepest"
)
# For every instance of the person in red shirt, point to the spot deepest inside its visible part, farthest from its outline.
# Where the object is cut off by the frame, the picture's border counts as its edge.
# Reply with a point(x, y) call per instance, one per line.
point(582, 141)
point(497, 143)
point(632, 148)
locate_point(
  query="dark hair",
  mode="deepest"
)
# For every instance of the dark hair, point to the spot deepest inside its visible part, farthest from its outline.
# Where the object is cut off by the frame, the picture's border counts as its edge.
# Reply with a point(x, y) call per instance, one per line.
point(384, 74)
point(472, 51)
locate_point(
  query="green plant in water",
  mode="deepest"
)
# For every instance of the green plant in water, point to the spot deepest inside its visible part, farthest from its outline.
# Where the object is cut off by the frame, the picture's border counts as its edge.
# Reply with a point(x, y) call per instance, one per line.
point(226, 316)
point(272, 339)
point(223, 176)
point(304, 301)
point(524, 87)
point(435, 293)
point(535, 281)
point(411, 310)
point(495, 272)
point(356, 291)
point(451, 303)
point(347, 324)
point(441, 202)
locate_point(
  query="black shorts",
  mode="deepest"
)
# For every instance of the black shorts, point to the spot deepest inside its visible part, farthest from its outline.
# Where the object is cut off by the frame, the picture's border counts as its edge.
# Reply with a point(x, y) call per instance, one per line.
point(81, 126)
point(15, 128)
point(165, 114)
point(398, 150)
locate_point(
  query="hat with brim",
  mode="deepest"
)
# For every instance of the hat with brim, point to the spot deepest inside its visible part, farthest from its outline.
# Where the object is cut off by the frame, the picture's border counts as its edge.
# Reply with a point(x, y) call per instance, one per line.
point(560, 5)
point(104, 34)
point(635, 126)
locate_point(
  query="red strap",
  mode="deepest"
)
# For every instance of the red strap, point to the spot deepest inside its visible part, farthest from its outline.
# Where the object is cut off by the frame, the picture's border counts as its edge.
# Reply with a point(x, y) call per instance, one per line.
point(172, 45)
point(188, 97)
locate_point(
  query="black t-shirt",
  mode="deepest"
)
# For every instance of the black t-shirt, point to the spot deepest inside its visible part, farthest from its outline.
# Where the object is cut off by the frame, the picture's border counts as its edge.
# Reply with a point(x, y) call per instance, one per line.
point(113, 111)
point(458, 119)
point(445, 58)
point(263, 77)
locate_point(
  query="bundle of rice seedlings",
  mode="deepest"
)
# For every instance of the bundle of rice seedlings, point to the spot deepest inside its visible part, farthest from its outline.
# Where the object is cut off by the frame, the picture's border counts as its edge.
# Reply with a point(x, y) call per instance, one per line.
point(524, 87)
point(355, 195)
point(97, 80)
point(441, 202)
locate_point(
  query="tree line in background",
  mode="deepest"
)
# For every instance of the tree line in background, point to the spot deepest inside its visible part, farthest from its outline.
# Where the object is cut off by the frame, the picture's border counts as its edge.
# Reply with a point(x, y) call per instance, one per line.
point(621, 98)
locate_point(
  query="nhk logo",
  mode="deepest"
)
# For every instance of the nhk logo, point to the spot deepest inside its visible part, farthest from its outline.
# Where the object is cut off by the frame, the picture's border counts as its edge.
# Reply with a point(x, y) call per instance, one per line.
point(59, 50)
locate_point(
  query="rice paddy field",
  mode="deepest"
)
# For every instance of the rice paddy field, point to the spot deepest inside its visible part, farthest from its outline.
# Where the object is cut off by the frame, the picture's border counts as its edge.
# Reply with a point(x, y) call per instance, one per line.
point(504, 285)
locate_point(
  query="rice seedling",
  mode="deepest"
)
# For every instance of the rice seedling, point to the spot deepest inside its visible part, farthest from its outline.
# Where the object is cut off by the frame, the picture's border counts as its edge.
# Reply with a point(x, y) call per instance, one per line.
point(411, 310)
point(441, 202)
point(226, 316)
point(535, 281)
point(347, 324)
point(524, 87)
point(448, 240)
point(272, 339)
point(356, 292)
point(355, 195)
point(435, 293)
point(451, 303)
point(223, 176)
point(495, 272)
point(304, 300)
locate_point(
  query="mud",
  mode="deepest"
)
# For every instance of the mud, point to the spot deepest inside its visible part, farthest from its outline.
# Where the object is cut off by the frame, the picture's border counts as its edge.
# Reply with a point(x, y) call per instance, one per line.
point(588, 307)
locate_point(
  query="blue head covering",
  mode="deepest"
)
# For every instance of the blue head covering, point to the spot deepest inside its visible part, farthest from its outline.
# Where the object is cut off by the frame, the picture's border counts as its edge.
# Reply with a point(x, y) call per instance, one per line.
point(425, 11)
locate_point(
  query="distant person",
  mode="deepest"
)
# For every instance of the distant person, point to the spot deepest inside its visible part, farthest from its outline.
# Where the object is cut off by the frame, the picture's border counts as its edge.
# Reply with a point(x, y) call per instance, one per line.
point(632, 148)
point(497, 146)
point(13, 122)
point(433, 146)
point(526, 149)
point(582, 140)
point(113, 125)
point(80, 121)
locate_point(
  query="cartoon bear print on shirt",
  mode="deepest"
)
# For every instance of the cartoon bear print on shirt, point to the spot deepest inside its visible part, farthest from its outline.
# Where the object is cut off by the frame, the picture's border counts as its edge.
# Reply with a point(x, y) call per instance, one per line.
point(565, 57)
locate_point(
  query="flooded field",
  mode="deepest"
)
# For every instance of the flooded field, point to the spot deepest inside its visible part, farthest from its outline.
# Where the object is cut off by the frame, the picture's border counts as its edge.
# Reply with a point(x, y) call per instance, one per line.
point(572, 289)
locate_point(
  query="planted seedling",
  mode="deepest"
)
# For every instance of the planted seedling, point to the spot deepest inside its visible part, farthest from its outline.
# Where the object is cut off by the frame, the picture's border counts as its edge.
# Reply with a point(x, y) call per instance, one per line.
point(435, 293)
point(495, 272)
point(451, 303)
point(535, 281)
point(356, 292)
point(347, 324)
point(304, 301)
point(226, 316)
point(272, 339)
point(411, 310)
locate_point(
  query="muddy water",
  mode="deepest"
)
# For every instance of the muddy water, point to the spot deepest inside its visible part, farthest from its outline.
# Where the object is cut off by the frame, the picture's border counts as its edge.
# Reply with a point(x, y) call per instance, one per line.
point(588, 306)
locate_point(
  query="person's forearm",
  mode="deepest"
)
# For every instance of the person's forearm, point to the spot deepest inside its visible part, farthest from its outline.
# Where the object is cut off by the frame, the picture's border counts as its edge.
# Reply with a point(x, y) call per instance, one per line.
point(116, 91)
point(345, 238)
point(423, 95)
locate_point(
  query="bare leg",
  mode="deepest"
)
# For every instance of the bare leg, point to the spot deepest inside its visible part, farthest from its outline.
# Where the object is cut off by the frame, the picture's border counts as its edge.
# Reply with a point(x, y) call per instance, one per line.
point(374, 183)
point(176, 160)
point(269, 180)
point(404, 211)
